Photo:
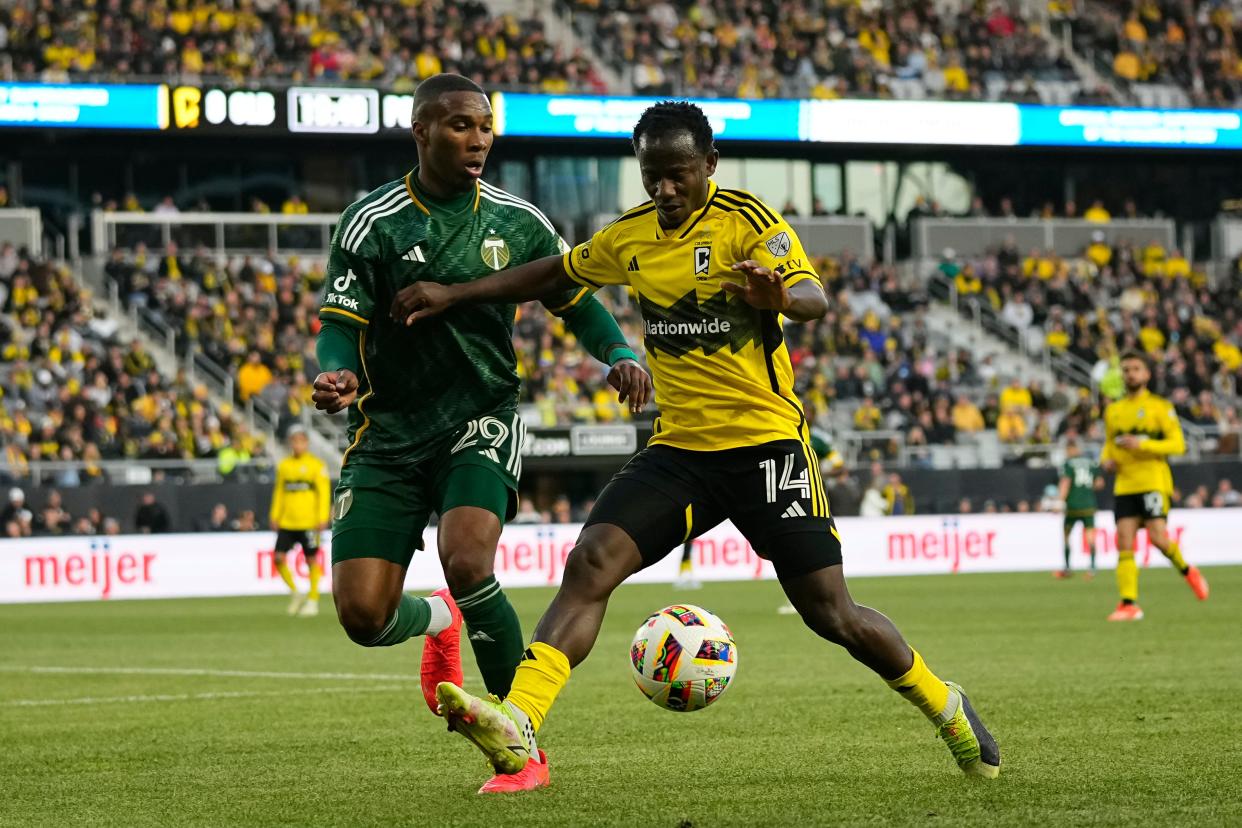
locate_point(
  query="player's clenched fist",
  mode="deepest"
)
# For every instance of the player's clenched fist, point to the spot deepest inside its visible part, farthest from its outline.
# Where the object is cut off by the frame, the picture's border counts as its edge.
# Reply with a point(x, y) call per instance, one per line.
point(421, 300)
point(632, 383)
point(335, 390)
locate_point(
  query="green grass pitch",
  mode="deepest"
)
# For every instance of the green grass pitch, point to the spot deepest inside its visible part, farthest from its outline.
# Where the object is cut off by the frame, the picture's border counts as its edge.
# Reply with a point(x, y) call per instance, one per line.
point(184, 713)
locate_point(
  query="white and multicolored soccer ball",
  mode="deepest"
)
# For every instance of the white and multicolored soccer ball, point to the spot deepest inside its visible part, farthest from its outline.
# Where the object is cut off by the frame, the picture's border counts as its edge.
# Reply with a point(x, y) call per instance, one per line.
point(683, 658)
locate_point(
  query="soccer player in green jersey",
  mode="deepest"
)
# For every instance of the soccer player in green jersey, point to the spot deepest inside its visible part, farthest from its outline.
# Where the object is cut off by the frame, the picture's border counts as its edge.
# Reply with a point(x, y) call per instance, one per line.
point(1081, 478)
point(433, 422)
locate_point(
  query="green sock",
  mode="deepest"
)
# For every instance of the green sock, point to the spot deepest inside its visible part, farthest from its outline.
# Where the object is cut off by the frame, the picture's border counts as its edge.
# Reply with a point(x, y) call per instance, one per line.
point(494, 631)
point(1067, 554)
point(410, 619)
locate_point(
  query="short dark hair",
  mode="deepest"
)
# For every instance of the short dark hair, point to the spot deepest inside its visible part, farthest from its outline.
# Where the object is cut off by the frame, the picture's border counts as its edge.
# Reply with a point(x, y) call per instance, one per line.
point(1131, 353)
point(668, 117)
point(430, 90)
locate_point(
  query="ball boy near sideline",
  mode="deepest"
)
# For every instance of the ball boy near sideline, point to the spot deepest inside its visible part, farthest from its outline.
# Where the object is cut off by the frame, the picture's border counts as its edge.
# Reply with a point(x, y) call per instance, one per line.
point(1141, 431)
point(1081, 478)
point(715, 270)
point(300, 503)
point(433, 423)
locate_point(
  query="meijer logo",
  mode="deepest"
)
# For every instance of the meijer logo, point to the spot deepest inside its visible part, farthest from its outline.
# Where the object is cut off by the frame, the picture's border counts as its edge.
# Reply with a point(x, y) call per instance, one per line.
point(99, 570)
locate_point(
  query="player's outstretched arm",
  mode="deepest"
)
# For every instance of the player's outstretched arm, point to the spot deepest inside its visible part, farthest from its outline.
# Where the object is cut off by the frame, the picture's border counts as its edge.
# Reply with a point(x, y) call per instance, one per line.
point(763, 289)
point(525, 283)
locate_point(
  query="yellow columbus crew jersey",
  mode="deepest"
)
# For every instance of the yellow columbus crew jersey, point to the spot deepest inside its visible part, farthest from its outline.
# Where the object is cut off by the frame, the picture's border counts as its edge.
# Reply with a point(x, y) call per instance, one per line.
point(721, 369)
point(1153, 418)
point(301, 498)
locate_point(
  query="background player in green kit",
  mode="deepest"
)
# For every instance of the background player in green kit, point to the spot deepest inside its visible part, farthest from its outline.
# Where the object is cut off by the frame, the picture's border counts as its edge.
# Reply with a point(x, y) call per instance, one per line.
point(1081, 478)
point(433, 424)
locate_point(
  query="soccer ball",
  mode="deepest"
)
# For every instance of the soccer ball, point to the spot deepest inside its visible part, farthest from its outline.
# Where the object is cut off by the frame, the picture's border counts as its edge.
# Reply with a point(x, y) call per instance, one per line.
point(683, 658)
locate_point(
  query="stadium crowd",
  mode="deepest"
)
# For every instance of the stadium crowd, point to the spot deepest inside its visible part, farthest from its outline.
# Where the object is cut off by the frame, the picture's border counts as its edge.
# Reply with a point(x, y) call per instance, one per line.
point(72, 390)
point(1188, 44)
point(1112, 298)
point(394, 44)
point(825, 48)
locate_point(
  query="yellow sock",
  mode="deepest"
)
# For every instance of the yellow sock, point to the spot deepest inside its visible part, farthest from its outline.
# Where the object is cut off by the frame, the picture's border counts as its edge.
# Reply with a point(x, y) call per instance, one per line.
point(540, 675)
point(316, 572)
point(286, 575)
point(921, 688)
point(1175, 557)
point(685, 566)
point(1127, 577)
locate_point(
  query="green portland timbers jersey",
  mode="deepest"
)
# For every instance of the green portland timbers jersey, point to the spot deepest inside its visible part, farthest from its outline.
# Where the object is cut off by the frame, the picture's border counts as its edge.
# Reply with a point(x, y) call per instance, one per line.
point(423, 382)
point(1082, 473)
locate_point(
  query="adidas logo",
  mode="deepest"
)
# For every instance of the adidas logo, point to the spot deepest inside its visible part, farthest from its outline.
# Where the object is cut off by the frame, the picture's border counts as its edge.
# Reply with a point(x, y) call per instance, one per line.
point(794, 510)
point(414, 254)
point(633, 268)
point(479, 635)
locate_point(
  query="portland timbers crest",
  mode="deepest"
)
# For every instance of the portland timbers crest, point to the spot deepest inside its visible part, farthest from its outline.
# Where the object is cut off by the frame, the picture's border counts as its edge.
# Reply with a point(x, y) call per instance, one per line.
point(494, 251)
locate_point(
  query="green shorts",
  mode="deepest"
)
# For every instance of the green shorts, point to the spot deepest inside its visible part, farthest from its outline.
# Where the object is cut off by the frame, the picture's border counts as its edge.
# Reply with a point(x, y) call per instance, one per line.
point(1087, 519)
point(380, 510)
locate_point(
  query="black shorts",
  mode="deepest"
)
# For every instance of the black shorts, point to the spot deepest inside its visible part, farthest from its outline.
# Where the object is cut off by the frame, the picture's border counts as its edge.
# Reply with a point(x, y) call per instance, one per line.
point(1143, 505)
point(308, 539)
point(772, 492)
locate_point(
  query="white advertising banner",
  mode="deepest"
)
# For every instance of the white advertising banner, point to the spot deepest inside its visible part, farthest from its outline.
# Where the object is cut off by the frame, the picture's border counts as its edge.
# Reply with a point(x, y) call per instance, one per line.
point(205, 564)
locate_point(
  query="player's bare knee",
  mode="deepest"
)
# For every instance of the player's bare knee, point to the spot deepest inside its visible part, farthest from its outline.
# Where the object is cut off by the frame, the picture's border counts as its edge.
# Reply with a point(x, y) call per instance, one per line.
point(838, 623)
point(463, 568)
point(591, 569)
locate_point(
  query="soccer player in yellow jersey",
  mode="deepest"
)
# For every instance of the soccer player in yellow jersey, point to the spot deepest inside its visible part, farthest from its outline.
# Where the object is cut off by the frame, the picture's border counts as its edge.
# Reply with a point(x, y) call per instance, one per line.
point(300, 507)
point(1141, 431)
point(716, 271)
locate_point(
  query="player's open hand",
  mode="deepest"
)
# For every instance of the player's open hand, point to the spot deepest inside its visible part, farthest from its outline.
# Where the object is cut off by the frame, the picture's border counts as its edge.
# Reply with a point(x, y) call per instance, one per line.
point(763, 288)
point(633, 384)
point(335, 391)
point(420, 301)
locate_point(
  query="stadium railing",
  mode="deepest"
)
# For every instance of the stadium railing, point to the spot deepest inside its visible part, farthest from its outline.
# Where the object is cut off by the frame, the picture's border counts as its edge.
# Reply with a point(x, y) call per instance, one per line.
point(23, 227)
point(223, 233)
point(1067, 237)
point(138, 472)
point(1064, 366)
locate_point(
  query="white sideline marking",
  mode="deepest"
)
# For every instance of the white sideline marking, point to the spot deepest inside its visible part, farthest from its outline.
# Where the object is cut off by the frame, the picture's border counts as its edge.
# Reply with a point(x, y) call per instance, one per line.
point(240, 694)
point(190, 671)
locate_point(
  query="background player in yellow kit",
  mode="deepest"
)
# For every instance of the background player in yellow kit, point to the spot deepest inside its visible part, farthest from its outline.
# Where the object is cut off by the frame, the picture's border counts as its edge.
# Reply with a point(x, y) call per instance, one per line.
point(1141, 432)
point(300, 507)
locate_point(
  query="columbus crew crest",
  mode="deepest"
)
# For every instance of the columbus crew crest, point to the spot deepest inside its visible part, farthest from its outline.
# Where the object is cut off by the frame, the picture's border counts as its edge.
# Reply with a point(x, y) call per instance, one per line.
point(494, 251)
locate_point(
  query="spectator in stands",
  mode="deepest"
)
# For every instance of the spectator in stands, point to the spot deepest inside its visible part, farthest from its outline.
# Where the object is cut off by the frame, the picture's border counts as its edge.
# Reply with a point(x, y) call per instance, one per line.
point(965, 506)
point(1226, 494)
point(1011, 426)
point(52, 519)
point(867, 417)
point(215, 521)
point(527, 513)
point(111, 526)
point(897, 497)
point(844, 495)
point(873, 501)
point(1018, 312)
point(1016, 397)
point(246, 522)
point(1097, 213)
point(562, 510)
point(966, 416)
point(253, 376)
point(17, 519)
point(151, 518)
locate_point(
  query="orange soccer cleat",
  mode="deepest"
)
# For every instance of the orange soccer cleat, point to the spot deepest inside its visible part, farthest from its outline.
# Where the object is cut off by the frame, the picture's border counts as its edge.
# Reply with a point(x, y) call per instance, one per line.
point(1197, 583)
point(442, 655)
point(1126, 612)
point(534, 775)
